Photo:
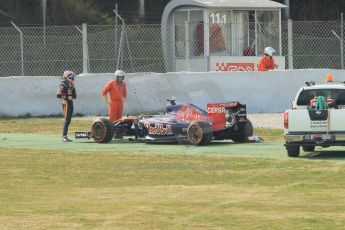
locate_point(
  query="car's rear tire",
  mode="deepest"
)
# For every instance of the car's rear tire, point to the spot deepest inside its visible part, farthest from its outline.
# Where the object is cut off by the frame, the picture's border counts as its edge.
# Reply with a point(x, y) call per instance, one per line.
point(102, 130)
point(308, 148)
point(199, 133)
point(246, 132)
point(292, 151)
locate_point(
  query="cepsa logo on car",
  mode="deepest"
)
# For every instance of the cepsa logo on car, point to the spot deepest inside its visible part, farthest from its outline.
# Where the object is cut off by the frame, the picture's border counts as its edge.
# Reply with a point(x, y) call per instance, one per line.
point(220, 109)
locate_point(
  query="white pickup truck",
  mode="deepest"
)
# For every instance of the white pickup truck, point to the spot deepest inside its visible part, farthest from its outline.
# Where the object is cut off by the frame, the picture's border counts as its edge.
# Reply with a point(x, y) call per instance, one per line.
point(317, 118)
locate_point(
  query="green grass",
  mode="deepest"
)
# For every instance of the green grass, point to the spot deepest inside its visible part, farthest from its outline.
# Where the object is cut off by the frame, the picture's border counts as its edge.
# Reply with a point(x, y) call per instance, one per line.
point(41, 126)
point(58, 189)
point(133, 188)
point(269, 134)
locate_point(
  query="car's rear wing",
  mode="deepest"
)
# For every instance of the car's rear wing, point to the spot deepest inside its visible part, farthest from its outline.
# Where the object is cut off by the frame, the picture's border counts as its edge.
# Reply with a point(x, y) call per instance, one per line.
point(221, 113)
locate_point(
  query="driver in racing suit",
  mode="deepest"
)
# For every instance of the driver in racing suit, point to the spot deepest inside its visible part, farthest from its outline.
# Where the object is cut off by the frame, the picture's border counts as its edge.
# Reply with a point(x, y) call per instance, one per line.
point(67, 94)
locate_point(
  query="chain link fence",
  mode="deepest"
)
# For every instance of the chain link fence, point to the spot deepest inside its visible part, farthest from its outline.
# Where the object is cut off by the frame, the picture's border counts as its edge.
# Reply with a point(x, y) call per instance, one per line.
point(139, 48)
point(60, 49)
point(316, 46)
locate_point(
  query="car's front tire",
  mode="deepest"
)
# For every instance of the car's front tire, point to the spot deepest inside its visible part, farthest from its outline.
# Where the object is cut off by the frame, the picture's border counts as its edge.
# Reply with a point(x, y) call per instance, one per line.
point(102, 130)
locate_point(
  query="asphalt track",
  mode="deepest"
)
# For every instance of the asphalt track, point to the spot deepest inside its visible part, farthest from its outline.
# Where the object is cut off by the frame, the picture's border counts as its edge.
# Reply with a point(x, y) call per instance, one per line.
point(227, 148)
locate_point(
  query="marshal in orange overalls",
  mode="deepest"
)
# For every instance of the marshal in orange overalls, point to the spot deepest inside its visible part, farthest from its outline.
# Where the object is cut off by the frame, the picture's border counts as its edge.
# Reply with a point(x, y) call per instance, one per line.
point(117, 95)
point(266, 63)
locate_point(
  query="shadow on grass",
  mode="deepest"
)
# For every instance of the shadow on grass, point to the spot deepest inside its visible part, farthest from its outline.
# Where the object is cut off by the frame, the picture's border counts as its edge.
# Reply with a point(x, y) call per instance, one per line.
point(213, 143)
point(127, 141)
point(326, 155)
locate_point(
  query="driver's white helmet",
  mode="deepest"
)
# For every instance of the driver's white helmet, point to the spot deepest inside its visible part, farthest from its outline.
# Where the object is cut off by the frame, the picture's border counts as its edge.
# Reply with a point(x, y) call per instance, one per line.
point(269, 51)
point(120, 73)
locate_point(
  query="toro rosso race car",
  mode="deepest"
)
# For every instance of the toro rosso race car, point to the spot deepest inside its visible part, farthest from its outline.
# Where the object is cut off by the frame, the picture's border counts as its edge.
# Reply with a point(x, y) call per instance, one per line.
point(183, 123)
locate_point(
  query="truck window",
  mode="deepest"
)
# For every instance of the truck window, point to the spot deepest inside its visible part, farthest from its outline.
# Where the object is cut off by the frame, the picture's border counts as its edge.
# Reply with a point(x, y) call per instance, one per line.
point(304, 97)
point(340, 100)
point(307, 94)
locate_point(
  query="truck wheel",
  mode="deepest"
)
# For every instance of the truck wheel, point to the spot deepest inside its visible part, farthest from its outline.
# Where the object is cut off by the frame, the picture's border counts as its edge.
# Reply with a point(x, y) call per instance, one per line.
point(102, 130)
point(292, 151)
point(199, 133)
point(246, 132)
point(308, 148)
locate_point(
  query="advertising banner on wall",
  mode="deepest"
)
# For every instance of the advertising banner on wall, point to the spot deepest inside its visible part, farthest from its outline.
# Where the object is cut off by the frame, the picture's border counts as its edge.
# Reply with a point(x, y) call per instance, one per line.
point(241, 63)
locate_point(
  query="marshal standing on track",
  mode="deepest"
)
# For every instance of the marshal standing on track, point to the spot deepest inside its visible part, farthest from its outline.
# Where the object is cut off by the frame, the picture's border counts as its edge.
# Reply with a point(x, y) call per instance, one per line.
point(117, 95)
point(67, 93)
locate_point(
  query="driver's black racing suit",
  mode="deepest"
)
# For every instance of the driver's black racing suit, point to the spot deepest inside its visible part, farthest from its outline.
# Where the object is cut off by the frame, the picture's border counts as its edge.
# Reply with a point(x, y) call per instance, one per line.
point(67, 93)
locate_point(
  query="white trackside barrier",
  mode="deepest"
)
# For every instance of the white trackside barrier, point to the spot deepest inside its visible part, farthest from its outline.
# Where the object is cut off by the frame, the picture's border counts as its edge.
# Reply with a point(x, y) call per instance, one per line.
point(263, 92)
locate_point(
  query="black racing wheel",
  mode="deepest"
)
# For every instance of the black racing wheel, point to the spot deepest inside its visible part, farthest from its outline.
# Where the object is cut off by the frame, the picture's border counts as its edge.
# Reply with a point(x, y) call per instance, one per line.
point(199, 133)
point(102, 130)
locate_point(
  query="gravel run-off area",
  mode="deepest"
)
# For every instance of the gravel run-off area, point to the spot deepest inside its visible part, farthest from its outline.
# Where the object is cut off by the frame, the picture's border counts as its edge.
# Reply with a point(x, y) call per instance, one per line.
point(267, 120)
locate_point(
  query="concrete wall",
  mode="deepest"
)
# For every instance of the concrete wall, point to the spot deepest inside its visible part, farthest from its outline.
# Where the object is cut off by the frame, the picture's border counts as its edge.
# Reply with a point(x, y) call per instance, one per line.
point(263, 92)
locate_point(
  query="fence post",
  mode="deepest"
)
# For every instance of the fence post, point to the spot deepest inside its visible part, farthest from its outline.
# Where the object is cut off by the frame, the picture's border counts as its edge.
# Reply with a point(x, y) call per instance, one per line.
point(124, 35)
point(21, 46)
point(256, 35)
point(290, 45)
point(115, 38)
point(342, 40)
point(44, 7)
point(86, 63)
point(187, 47)
point(207, 43)
point(120, 51)
point(83, 32)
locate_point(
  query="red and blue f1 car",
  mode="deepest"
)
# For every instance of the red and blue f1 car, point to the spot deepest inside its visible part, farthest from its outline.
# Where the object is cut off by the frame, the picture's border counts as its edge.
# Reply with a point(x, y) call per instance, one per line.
point(183, 123)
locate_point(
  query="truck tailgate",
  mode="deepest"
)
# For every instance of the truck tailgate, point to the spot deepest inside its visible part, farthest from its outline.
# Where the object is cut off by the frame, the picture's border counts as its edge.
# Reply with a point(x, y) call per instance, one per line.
point(316, 120)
